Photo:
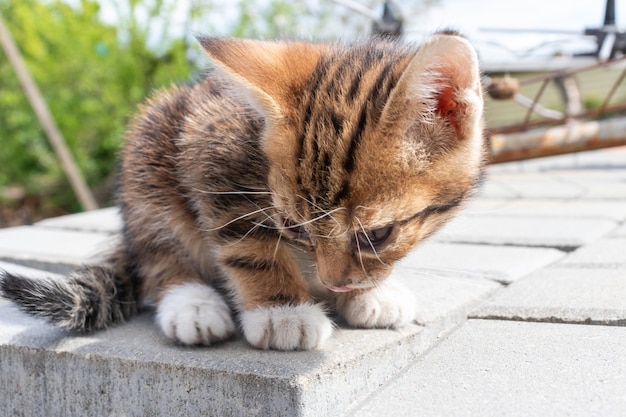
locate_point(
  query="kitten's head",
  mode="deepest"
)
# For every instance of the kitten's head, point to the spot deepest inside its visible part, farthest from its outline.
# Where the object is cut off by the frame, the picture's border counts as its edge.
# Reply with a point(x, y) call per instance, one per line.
point(372, 147)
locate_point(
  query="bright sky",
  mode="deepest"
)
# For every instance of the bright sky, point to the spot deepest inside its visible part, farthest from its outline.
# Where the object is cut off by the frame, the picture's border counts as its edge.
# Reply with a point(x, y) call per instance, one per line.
point(469, 16)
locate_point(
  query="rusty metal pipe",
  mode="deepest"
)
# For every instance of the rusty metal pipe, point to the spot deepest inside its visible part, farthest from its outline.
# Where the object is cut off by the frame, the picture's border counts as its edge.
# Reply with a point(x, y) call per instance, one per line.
point(571, 137)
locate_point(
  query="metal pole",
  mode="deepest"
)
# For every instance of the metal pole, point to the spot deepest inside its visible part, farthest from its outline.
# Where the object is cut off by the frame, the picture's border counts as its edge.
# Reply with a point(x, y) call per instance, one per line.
point(567, 138)
point(86, 198)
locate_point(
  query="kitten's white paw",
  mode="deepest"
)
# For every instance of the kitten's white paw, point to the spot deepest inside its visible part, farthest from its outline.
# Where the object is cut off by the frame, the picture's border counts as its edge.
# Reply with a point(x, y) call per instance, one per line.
point(390, 304)
point(300, 327)
point(194, 314)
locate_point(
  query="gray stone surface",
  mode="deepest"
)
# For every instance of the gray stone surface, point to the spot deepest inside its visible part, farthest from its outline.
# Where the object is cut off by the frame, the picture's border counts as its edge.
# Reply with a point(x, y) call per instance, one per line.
point(133, 370)
point(569, 295)
point(561, 232)
point(593, 209)
point(51, 249)
point(99, 221)
point(604, 253)
point(468, 262)
point(23, 270)
point(444, 296)
point(531, 185)
point(620, 231)
point(507, 369)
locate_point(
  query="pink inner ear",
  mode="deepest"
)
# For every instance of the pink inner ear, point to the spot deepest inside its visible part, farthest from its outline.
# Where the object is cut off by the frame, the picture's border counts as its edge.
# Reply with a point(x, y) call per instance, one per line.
point(448, 108)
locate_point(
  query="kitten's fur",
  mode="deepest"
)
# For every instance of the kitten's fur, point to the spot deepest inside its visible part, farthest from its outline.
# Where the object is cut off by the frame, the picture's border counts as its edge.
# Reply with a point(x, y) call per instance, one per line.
point(293, 172)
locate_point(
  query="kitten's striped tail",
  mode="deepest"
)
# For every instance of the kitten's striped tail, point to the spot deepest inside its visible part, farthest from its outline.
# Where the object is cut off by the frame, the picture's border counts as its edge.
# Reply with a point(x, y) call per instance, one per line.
point(89, 299)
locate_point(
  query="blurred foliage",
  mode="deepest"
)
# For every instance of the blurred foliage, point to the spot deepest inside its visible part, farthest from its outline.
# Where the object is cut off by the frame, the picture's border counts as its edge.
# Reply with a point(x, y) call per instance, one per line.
point(95, 60)
point(91, 82)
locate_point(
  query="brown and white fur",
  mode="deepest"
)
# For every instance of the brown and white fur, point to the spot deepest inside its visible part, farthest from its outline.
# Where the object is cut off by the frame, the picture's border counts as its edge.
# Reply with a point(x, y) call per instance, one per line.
point(290, 179)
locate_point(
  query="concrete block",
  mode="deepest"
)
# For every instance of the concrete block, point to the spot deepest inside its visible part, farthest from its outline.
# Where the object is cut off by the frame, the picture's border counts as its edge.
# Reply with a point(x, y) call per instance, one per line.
point(620, 231)
point(561, 232)
point(444, 295)
point(506, 369)
point(595, 209)
point(615, 176)
point(51, 249)
point(106, 220)
point(132, 370)
point(604, 253)
point(592, 184)
point(466, 261)
point(496, 190)
point(567, 295)
point(531, 185)
point(23, 270)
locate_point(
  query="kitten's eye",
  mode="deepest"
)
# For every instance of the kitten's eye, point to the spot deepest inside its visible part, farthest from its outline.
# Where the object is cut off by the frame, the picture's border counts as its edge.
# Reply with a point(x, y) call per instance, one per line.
point(376, 238)
point(295, 230)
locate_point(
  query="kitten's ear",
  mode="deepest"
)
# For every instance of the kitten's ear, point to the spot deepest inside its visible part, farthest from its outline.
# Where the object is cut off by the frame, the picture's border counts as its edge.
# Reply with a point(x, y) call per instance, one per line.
point(271, 72)
point(441, 81)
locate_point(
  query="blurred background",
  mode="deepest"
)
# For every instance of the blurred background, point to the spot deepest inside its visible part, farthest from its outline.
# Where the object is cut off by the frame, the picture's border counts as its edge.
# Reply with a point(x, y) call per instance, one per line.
point(95, 60)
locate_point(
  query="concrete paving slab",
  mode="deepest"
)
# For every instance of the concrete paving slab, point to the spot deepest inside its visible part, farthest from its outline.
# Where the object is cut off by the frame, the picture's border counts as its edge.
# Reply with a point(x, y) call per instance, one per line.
point(603, 191)
point(485, 205)
point(547, 231)
point(508, 369)
point(615, 176)
point(133, 370)
point(620, 231)
point(50, 249)
point(564, 295)
point(504, 264)
point(106, 220)
point(444, 295)
point(604, 253)
point(496, 190)
point(534, 185)
point(591, 184)
point(31, 272)
point(596, 209)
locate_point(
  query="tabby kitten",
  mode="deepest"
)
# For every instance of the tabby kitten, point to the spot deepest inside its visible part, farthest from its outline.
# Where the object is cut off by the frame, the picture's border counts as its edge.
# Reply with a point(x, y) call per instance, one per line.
point(291, 178)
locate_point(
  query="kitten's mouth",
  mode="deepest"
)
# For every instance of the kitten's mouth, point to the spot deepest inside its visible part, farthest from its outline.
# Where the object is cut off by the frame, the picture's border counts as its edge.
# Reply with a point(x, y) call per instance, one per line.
point(346, 288)
point(333, 288)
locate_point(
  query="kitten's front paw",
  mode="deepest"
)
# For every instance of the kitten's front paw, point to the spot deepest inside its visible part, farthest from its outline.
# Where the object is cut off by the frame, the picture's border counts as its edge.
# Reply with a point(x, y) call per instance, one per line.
point(300, 327)
point(389, 304)
point(195, 314)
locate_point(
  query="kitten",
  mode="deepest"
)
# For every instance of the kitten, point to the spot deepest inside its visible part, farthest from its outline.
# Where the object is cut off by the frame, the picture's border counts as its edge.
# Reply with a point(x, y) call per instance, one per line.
point(291, 178)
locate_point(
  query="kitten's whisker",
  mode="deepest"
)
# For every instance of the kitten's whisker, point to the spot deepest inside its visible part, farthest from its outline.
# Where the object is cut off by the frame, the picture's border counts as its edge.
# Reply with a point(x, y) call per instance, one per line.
point(232, 192)
point(358, 248)
point(307, 221)
point(280, 235)
point(267, 216)
point(242, 237)
point(369, 241)
point(252, 213)
point(322, 209)
point(326, 214)
point(265, 226)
